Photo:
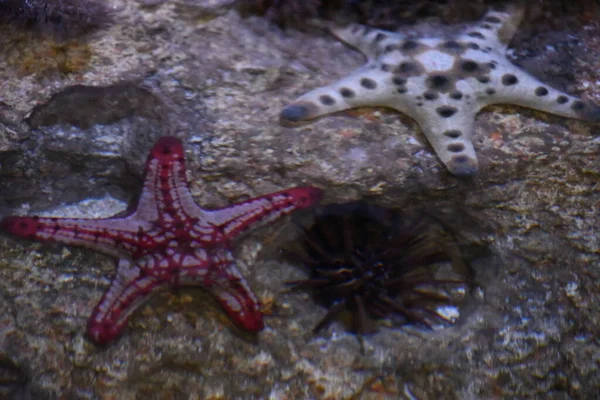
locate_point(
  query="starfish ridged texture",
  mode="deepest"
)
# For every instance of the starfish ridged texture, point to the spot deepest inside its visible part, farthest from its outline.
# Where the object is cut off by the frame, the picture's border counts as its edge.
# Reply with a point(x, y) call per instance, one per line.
point(441, 82)
point(168, 241)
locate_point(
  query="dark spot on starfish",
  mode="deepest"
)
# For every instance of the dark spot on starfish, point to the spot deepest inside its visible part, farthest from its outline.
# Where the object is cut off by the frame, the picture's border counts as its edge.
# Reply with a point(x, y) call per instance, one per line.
point(473, 46)
point(419, 104)
point(453, 133)
point(490, 91)
point(456, 147)
point(452, 46)
point(326, 100)
point(469, 66)
point(430, 95)
point(355, 29)
point(509, 79)
point(439, 82)
point(491, 65)
point(456, 95)
point(562, 99)
point(492, 20)
point(419, 97)
point(386, 67)
point(578, 105)
point(368, 83)
point(486, 26)
point(379, 37)
point(462, 166)
point(487, 49)
point(408, 69)
point(541, 91)
point(367, 30)
point(402, 89)
point(345, 92)
point(296, 112)
point(476, 34)
point(446, 111)
point(484, 79)
point(398, 80)
point(411, 46)
point(390, 47)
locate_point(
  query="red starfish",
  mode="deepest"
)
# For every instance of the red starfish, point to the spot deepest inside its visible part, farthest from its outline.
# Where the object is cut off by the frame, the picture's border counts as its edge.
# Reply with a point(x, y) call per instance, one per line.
point(168, 241)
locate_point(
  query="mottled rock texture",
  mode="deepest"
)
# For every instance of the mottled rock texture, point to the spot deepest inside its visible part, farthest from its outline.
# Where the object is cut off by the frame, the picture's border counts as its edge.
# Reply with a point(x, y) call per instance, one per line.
point(77, 119)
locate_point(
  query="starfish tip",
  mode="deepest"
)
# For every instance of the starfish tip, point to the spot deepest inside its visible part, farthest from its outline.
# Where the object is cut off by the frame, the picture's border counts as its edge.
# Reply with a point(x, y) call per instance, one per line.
point(462, 166)
point(297, 112)
point(339, 30)
point(101, 334)
point(587, 110)
point(19, 226)
point(167, 147)
point(245, 314)
point(306, 196)
point(255, 324)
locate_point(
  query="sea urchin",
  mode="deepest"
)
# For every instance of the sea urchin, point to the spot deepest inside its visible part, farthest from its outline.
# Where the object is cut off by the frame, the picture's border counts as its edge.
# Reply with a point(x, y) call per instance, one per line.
point(370, 263)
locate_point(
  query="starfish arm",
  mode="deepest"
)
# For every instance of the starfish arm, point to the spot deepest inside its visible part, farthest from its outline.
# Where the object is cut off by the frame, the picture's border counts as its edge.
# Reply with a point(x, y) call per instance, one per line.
point(236, 219)
point(230, 289)
point(165, 195)
point(449, 130)
point(368, 41)
point(367, 86)
point(117, 237)
point(515, 86)
point(128, 290)
point(496, 28)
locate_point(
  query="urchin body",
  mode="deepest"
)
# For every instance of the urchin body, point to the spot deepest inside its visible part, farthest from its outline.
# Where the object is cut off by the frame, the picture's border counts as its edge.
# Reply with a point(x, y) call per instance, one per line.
point(374, 263)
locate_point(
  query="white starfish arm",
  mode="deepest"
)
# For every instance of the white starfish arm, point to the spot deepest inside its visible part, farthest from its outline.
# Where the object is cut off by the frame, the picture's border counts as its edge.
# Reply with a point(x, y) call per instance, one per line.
point(369, 41)
point(449, 130)
point(496, 28)
point(515, 86)
point(366, 86)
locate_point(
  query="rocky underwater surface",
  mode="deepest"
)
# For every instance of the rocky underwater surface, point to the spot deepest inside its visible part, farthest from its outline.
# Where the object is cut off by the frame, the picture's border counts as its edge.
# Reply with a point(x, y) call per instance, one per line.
point(80, 112)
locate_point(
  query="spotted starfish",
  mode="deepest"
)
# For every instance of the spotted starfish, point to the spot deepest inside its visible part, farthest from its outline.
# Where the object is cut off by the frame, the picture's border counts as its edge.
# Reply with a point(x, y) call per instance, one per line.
point(441, 82)
point(168, 241)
